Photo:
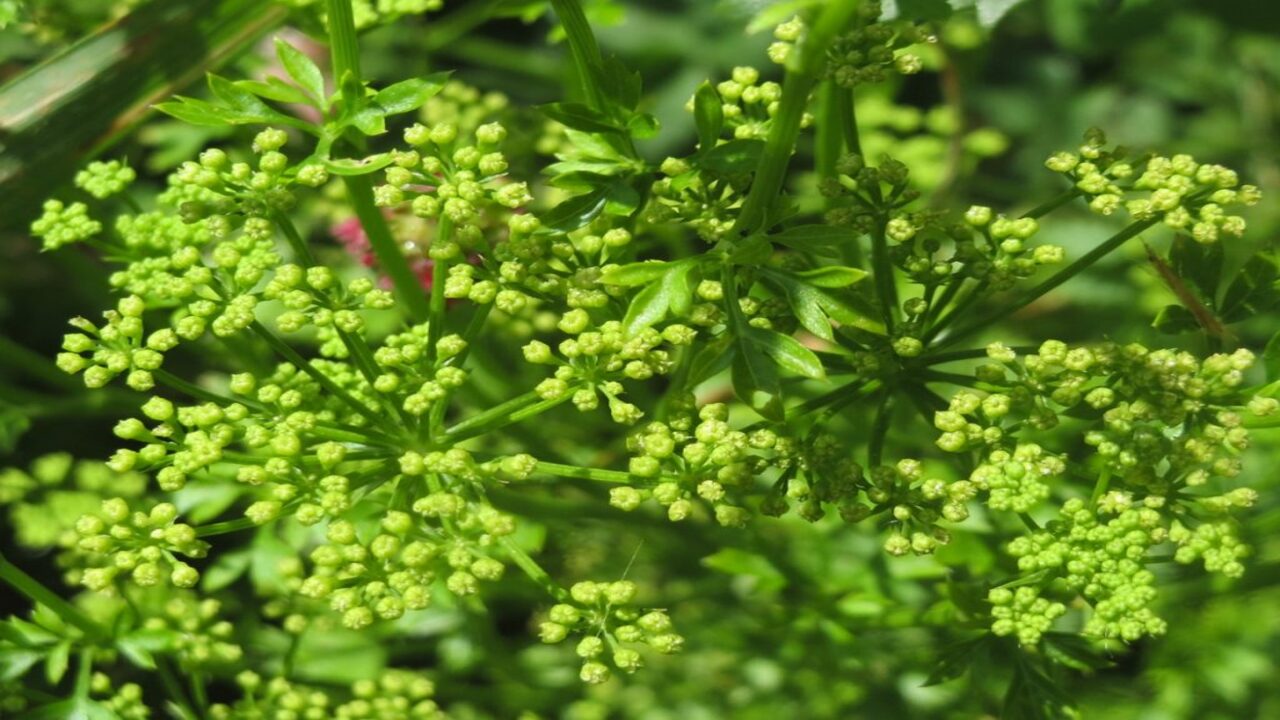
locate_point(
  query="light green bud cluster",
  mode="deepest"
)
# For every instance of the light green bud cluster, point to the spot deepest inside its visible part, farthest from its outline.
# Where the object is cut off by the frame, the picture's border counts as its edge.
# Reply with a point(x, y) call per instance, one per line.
point(121, 346)
point(1023, 613)
point(62, 224)
point(1018, 481)
point(1179, 191)
point(116, 544)
point(104, 179)
point(125, 702)
point(691, 460)
point(874, 50)
point(603, 614)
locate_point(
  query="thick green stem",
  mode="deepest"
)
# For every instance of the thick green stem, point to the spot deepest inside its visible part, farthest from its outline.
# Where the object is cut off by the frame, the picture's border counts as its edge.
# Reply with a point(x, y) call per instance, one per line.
point(848, 120)
point(886, 283)
point(344, 49)
point(1075, 268)
point(36, 592)
point(802, 74)
point(439, 271)
point(880, 430)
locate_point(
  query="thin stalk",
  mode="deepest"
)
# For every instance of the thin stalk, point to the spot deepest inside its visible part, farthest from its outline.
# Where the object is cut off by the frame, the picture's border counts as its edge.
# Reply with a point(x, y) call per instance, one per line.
point(439, 271)
point(316, 374)
point(802, 74)
point(512, 411)
point(1013, 306)
point(531, 568)
point(36, 365)
point(1052, 204)
point(583, 473)
point(880, 430)
point(882, 267)
point(36, 592)
point(972, 354)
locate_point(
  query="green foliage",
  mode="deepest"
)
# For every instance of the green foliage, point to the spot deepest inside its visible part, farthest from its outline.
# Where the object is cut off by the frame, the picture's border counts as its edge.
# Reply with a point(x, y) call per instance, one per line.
point(600, 432)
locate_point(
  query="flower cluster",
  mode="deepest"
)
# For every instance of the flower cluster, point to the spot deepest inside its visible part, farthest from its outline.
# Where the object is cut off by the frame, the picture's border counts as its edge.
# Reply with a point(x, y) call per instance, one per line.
point(603, 615)
point(1178, 191)
point(141, 546)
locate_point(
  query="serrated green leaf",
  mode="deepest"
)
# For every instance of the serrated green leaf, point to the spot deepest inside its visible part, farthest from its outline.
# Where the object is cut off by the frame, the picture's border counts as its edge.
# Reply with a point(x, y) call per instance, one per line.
point(712, 359)
point(643, 126)
point(274, 89)
point(671, 292)
point(240, 102)
point(832, 276)
point(622, 83)
point(1175, 319)
point(576, 211)
point(814, 238)
point(733, 157)
point(755, 381)
point(788, 352)
point(955, 659)
point(354, 166)
point(579, 117)
point(1073, 651)
point(198, 112)
point(409, 95)
point(708, 115)
point(302, 69)
point(226, 569)
point(76, 708)
point(637, 273)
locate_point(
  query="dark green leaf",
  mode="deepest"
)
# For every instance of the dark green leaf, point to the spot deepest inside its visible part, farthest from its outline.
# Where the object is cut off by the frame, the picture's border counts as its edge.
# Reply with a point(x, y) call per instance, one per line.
point(243, 104)
point(1199, 264)
point(671, 292)
point(955, 659)
point(643, 126)
point(302, 69)
point(787, 352)
point(409, 95)
point(708, 114)
point(812, 238)
point(579, 117)
point(76, 708)
point(755, 381)
point(13, 425)
point(1271, 358)
point(1175, 319)
point(832, 276)
point(576, 211)
point(1074, 652)
point(713, 358)
point(622, 83)
point(735, 156)
point(226, 569)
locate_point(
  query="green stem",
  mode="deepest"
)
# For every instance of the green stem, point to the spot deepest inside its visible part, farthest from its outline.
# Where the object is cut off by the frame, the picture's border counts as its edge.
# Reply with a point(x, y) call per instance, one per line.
point(535, 571)
point(1008, 308)
point(1052, 204)
point(344, 49)
point(972, 354)
point(436, 313)
point(296, 241)
point(880, 430)
point(827, 141)
point(292, 356)
point(513, 410)
point(1100, 488)
point(846, 106)
point(882, 267)
point(583, 473)
point(84, 674)
point(802, 74)
point(36, 592)
point(35, 365)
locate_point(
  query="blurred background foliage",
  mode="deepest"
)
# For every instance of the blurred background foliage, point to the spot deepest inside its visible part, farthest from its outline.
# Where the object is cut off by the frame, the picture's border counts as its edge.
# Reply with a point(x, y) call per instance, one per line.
point(1194, 76)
